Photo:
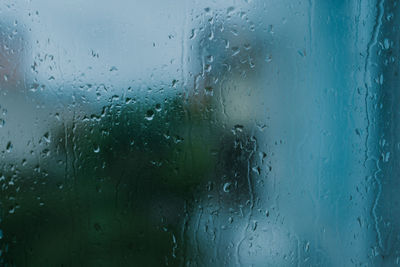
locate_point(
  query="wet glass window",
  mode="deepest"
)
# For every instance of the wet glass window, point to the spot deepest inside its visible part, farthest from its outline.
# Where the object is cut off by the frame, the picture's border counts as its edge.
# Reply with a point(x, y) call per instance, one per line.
point(199, 133)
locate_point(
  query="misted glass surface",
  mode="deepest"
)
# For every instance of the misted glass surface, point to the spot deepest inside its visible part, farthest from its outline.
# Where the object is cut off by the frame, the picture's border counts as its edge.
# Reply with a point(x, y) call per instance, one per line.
point(199, 133)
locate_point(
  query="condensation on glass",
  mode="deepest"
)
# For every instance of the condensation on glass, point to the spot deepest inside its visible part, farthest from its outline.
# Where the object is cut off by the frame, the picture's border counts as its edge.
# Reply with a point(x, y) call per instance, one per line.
point(199, 133)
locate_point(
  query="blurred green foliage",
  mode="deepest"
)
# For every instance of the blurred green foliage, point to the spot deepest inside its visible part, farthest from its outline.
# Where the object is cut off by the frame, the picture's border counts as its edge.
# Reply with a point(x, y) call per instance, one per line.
point(129, 174)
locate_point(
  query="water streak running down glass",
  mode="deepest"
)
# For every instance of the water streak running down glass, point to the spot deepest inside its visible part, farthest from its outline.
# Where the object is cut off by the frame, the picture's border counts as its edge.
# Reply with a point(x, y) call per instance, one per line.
point(199, 133)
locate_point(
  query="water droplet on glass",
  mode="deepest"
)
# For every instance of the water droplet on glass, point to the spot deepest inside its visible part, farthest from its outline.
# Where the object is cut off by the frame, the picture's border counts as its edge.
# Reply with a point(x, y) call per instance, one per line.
point(46, 137)
point(230, 10)
point(254, 227)
point(227, 187)
point(209, 91)
point(11, 210)
point(149, 115)
point(235, 50)
point(386, 43)
point(9, 147)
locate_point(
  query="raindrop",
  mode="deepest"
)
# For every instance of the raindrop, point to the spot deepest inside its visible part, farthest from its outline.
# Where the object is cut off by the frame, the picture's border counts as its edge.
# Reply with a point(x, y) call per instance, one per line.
point(192, 34)
point(237, 128)
point(9, 146)
point(96, 149)
point(255, 223)
point(302, 53)
point(11, 210)
point(386, 43)
point(209, 90)
point(307, 247)
point(235, 50)
point(386, 157)
point(380, 79)
point(227, 187)
point(149, 115)
point(46, 137)
point(230, 10)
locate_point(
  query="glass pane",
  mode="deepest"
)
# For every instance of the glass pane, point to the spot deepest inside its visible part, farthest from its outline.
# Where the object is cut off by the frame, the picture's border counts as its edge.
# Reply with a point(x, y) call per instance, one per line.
point(199, 133)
